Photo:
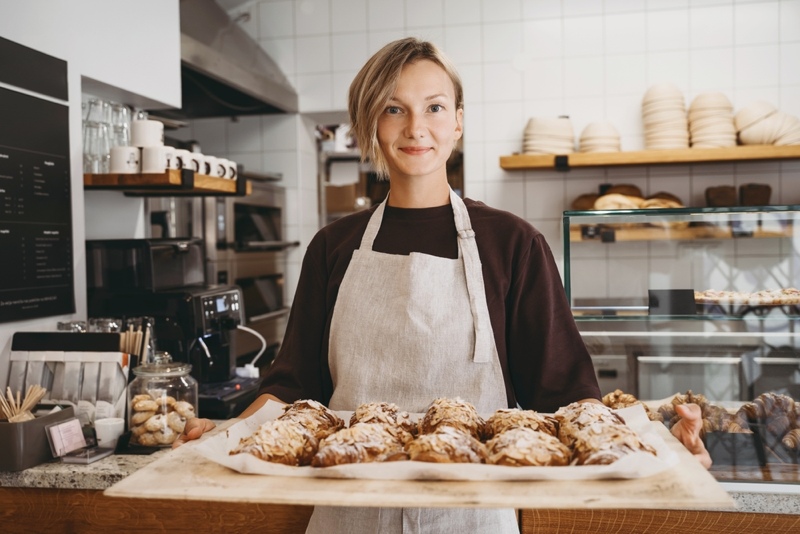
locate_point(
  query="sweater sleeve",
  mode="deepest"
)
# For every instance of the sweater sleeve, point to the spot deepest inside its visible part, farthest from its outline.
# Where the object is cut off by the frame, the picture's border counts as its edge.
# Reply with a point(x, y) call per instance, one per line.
point(549, 364)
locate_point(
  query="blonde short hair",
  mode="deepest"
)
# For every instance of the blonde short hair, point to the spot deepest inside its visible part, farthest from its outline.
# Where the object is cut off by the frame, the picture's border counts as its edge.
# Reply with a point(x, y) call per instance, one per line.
point(375, 84)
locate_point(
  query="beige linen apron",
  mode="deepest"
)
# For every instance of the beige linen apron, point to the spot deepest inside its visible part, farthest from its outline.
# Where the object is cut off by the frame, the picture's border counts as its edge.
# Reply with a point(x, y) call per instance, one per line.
point(409, 329)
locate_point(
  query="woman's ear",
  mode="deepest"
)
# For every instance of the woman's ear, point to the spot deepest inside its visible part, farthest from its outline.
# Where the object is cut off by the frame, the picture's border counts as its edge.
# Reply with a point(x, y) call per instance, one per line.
point(459, 123)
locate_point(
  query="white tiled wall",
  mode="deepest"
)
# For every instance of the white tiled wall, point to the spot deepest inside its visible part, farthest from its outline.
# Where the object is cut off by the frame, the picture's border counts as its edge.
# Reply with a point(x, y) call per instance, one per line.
point(590, 59)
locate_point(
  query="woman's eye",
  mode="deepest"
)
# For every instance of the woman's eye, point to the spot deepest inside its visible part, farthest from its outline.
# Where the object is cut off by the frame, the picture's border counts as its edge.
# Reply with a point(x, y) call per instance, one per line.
point(436, 108)
point(392, 110)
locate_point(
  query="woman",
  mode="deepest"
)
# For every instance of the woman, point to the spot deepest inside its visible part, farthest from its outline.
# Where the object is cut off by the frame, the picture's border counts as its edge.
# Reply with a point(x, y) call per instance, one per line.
point(426, 295)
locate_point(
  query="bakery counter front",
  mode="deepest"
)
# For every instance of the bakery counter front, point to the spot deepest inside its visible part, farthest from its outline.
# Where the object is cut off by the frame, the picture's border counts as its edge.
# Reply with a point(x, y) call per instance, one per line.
point(182, 490)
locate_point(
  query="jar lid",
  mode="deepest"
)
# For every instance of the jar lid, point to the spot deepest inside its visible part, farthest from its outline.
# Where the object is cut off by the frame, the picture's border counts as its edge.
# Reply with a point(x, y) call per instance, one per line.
point(162, 365)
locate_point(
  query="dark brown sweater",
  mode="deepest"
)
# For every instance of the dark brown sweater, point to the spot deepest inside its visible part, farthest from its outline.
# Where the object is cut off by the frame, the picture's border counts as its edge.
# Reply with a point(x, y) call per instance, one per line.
point(545, 363)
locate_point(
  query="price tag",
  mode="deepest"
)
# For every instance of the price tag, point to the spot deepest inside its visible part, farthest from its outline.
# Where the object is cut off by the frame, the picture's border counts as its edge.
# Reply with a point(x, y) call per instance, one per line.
point(65, 436)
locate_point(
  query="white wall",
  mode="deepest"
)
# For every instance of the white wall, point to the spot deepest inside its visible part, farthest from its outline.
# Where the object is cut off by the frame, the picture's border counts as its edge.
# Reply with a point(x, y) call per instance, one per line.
point(127, 51)
point(589, 59)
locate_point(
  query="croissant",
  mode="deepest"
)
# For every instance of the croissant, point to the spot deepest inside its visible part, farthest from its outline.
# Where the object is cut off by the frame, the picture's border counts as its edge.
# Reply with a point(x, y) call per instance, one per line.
point(792, 439)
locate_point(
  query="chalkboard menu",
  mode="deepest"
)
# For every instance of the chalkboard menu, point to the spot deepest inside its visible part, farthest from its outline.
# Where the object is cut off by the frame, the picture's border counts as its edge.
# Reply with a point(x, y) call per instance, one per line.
point(36, 263)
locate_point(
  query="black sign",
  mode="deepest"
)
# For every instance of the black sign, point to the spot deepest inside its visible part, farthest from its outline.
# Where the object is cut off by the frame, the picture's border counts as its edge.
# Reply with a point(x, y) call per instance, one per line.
point(36, 266)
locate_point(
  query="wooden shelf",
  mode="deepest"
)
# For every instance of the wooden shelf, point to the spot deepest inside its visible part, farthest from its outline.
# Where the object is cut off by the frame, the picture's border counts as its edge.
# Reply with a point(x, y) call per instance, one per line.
point(648, 157)
point(172, 182)
point(608, 233)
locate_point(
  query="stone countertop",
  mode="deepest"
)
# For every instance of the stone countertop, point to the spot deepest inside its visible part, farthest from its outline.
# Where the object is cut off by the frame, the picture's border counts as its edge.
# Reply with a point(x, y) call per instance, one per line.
point(98, 475)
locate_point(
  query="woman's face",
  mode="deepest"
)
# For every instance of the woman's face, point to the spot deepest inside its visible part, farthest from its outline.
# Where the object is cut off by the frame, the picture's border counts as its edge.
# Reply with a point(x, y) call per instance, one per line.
point(420, 125)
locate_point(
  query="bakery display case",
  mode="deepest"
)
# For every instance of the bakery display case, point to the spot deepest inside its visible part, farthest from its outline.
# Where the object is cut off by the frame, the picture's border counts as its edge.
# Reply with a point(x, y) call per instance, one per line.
point(698, 305)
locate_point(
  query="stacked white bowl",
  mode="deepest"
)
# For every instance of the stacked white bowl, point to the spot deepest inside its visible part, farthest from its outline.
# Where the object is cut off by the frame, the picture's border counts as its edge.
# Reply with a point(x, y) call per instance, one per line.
point(549, 135)
point(599, 137)
point(664, 117)
point(760, 123)
point(711, 121)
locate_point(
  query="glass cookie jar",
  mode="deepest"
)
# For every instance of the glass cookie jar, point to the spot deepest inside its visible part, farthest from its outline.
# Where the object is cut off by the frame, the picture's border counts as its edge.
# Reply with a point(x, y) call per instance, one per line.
point(161, 398)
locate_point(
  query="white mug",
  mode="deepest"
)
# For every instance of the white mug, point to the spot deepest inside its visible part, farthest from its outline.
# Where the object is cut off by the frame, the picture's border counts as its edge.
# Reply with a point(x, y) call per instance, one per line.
point(108, 431)
point(227, 168)
point(125, 160)
point(233, 170)
point(147, 133)
point(181, 159)
point(194, 162)
point(211, 167)
point(157, 159)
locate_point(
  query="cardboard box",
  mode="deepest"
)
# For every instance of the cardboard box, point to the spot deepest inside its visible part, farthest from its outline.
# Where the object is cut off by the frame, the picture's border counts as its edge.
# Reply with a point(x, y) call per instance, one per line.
point(25, 444)
point(340, 198)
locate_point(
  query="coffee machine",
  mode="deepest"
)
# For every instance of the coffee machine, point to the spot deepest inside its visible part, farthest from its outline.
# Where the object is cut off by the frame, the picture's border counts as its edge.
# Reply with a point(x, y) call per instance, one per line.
point(164, 279)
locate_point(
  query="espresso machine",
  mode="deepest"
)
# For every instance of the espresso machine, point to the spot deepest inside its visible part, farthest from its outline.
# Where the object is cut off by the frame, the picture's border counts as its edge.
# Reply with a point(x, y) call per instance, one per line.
point(195, 322)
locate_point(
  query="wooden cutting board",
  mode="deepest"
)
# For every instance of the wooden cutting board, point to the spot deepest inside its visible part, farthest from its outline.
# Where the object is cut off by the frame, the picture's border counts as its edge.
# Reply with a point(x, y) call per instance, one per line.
point(184, 475)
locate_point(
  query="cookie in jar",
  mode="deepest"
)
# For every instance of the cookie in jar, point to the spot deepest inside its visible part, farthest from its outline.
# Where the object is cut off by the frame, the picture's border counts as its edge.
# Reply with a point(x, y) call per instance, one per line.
point(161, 398)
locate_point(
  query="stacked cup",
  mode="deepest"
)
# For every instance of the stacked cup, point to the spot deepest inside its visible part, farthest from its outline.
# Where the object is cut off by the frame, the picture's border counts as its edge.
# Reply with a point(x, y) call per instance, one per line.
point(711, 121)
point(148, 135)
point(599, 137)
point(549, 135)
point(664, 117)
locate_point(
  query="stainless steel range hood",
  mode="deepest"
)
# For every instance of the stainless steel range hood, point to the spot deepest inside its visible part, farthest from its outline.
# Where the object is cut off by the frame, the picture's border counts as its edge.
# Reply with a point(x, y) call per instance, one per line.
point(224, 72)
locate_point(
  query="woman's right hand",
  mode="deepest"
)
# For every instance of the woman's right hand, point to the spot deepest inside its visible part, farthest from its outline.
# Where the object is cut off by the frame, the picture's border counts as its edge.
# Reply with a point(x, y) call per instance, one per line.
point(194, 428)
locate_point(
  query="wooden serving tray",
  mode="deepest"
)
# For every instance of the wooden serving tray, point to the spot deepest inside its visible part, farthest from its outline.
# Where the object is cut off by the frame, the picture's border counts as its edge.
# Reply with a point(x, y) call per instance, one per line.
point(181, 474)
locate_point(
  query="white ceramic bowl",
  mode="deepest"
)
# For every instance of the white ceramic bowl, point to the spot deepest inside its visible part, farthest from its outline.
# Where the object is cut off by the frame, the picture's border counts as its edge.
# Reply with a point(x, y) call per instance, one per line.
point(710, 100)
point(752, 113)
point(661, 91)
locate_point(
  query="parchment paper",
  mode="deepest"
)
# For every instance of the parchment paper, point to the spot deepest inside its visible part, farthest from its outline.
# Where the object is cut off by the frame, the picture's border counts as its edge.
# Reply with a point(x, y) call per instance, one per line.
point(636, 465)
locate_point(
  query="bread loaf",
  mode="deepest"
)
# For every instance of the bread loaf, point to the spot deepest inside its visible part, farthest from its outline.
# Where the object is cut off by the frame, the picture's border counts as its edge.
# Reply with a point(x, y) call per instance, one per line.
point(754, 194)
point(584, 202)
point(624, 189)
point(665, 196)
point(616, 201)
point(720, 196)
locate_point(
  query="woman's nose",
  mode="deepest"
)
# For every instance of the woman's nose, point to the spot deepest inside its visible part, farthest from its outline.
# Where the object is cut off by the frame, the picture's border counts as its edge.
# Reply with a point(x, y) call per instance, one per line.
point(415, 126)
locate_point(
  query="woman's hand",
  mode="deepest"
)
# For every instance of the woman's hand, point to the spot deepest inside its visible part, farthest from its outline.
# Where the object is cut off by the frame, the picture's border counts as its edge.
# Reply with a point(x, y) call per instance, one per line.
point(195, 428)
point(687, 430)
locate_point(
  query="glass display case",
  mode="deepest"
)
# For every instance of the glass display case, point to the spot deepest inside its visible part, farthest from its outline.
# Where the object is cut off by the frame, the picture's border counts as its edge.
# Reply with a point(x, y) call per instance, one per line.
point(699, 303)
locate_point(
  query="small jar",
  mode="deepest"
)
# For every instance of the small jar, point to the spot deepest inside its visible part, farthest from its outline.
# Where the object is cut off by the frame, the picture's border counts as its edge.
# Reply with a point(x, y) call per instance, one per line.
point(161, 398)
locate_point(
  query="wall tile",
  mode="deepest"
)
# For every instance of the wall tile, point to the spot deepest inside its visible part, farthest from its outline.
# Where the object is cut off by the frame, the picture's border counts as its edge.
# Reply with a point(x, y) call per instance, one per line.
point(385, 15)
point(543, 38)
point(462, 12)
point(349, 51)
point(244, 134)
point(376, 40)
point(757, 23)
point(474, 131)
point(472, 81)
point(544, 199)
point(543, 79)
point(315, 92)
point(543, 107)
point(583, 36)
point(502, 83)
point(711, 26)
point(623, 6)
point(789, 71)
point(672, 67)
point(313, 54)
point(789, 101)
point(508, 195)
point(583, 76)
point(279, 132)
point(348, 16)
point(541, 9)
point(508, 10)
point(251, 161)
point(580, 8)
point(212, 134)
point(626, 74)
point(745, 95)
point(434, 34)
point(504, 121)
point(275, 19)
point(312, 17)
point(582, 111)
point(421, 13)
point(710, 70)
point(492, 150)
point(655, 5)
point(625, 113)
point(464, 44)
point(624, 33)
point(790, 20)
point(501, 41)
point(667, 30)
point(341, 86)
point(757, 66)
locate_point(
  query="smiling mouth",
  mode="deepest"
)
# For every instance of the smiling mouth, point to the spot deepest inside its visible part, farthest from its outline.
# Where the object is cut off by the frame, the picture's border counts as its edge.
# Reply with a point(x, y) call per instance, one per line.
point(415, 150)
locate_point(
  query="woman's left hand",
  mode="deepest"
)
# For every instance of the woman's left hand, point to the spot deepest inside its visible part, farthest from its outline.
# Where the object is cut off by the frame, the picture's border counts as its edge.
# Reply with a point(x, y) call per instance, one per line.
point(687, 430)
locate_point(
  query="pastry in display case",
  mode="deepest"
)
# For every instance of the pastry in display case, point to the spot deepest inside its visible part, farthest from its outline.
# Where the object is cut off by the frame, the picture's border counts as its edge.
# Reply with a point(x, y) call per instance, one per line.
point(697, 305)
